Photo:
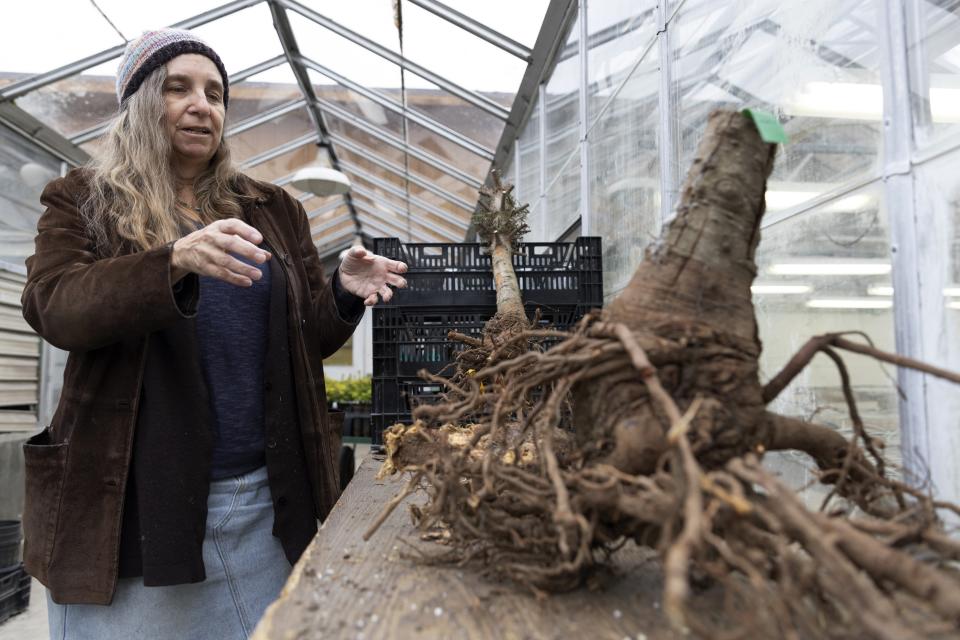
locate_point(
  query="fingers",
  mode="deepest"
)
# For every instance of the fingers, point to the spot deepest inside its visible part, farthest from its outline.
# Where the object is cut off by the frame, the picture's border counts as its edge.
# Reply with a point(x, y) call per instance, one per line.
point(396, 281)
point(396, 266)
point(231, 277)
point(239, 228)
point(214, 251)
point(210, 261)
point(358, 252)
point(234, 266)
point(384, 294)
point(241, 247)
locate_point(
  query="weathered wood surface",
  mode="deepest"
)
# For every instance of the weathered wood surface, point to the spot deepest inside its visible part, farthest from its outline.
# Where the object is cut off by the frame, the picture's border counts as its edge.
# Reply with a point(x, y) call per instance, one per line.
point(345, 588)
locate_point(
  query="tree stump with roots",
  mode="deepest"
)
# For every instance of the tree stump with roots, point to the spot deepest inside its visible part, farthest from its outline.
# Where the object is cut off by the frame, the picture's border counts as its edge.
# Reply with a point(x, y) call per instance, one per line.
point(668, 428)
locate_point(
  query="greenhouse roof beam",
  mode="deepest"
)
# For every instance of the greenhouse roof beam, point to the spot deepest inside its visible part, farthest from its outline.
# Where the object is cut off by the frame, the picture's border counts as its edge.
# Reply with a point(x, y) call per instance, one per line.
point(328, 250)
point(608, 34)
point(339, 235)
point(478, 29)
point(325, 208)
point(34, 131)
point(559, 15)
point(376, 225)
point(292, 51)
point(277, 151)
point(472, 97)
point(396, 142)
point(379, 199)
point(423, 120)
point(335, 243)
point(249, 72)
point(370, 156)
point(392, 229)
point(18, 89)
point(331, 223)
point(265, 116)
point(400, 193)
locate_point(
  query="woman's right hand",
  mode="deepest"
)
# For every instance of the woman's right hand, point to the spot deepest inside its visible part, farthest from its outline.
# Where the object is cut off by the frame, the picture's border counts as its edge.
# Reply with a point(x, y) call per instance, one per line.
point(207, 252)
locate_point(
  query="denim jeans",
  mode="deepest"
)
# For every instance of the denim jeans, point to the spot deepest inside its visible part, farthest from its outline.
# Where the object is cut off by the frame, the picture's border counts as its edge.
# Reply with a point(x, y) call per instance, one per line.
point(245, 567)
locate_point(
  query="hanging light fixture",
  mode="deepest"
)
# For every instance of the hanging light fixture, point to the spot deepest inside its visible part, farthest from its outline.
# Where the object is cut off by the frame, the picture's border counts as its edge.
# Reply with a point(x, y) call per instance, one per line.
point(321, 181)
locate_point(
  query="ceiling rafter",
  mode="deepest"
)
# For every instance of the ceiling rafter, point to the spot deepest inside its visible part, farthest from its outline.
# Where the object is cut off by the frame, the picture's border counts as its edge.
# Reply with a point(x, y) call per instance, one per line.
point(279, 150)
point(331, 223)
point(29, 128)
point(478, 29)
point(333, 243)
point(393, 229)
point(379, 182)
point(370, 156)
point(18, 89)
point(342, 233)
point(325, 208)
point(398, 143)
point(384, 229)
point(377, 198)
point(417, 117)
point(291, 49)
point(476, 99)
point(559, 16)
point(265, 116)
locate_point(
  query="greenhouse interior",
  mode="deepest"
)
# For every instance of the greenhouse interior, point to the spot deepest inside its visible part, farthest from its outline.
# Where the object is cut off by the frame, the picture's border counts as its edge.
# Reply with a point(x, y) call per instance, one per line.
point(663, 337)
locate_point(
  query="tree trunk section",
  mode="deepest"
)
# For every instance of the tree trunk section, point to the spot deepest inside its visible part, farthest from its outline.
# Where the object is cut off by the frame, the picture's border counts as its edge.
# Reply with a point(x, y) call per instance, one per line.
point(693, 289)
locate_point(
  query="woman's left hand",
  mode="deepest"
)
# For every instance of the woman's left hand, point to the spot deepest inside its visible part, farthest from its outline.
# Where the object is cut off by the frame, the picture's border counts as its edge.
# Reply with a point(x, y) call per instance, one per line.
point(365, 275)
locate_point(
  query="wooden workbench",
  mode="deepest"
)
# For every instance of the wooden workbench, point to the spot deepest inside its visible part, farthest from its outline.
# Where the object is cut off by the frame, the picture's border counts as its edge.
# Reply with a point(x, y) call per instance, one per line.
point(343, 587)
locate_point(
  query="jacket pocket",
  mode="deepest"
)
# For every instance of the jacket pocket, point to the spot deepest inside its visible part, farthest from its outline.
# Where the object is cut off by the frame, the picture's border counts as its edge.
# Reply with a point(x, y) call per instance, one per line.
point(44, 466)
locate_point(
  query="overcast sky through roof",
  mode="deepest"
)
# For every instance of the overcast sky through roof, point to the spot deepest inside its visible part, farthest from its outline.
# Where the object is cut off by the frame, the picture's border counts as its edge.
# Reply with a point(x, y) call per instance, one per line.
point(51, 33)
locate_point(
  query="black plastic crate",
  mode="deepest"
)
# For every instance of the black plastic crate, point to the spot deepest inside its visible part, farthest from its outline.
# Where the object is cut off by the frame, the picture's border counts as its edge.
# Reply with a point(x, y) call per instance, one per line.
point(14, 592)
point(450, 288)
point(396, 398)
point(448, 274)
point(408, 339)
point(402, 395)
point(400, 398)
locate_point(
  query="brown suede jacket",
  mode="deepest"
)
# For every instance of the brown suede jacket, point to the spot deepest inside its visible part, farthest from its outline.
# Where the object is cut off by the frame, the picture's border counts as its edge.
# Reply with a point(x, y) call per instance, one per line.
point(102, 311)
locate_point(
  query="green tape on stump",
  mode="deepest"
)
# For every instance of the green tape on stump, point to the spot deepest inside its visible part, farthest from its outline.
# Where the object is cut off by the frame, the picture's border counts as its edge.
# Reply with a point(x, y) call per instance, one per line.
point(767, 124)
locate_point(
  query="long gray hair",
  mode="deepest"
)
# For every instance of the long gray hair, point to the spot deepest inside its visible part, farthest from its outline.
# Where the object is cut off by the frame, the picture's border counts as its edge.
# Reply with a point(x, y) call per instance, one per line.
point(133, 194)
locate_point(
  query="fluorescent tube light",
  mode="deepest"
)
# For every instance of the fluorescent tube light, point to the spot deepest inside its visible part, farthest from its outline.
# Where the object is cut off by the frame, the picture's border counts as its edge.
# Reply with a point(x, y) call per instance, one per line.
point(953, 305)
point(777, 200)
point(862, 101)
point(951, 292)
point(856, 202)
point(852, 100)
point(849, 303)
point(781, 288)
point(945, 104)
point(880, 290)
point(830, 268)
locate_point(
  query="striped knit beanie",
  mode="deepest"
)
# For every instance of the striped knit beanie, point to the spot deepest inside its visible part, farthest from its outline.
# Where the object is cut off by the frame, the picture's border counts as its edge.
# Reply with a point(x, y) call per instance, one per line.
point(156, 48)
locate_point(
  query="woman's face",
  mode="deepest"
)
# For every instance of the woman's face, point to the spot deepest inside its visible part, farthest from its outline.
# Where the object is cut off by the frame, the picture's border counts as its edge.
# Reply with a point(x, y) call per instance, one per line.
point(193, 97)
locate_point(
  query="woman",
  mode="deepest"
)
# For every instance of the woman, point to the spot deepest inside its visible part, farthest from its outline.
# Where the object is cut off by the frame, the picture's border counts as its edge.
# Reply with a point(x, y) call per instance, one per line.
point(190, 456)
